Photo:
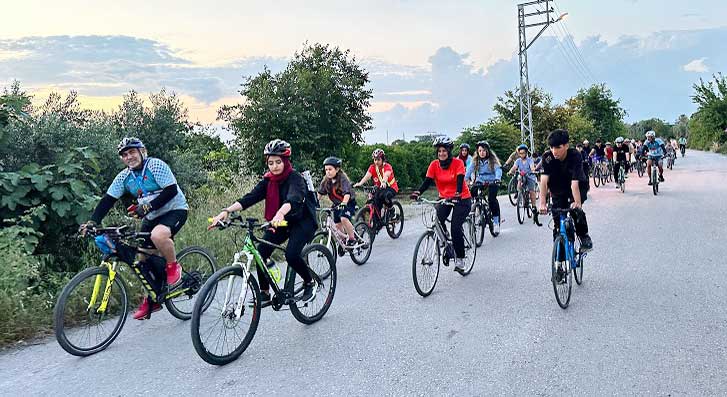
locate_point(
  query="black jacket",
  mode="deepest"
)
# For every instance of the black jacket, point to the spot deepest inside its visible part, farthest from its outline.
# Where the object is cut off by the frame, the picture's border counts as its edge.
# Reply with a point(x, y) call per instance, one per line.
point(293, 190)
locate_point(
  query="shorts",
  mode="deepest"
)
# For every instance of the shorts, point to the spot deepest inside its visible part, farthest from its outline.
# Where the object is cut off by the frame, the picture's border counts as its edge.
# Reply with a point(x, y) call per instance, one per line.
point(659, 160)
point(346, 212)
point(530, 184)
point(173, 219)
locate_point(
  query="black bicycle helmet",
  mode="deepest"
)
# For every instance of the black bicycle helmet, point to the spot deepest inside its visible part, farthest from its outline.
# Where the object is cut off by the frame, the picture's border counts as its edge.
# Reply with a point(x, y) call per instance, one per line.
point(333, 161)
point(129, 143)
point(277, 147)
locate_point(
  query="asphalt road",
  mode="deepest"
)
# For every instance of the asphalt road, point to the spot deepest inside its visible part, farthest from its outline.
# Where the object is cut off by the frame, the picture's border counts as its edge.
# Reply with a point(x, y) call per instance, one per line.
point(649, 319)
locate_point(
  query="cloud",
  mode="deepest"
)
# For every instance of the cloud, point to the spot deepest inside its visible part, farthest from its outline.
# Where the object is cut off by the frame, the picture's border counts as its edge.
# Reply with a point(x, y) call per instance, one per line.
point(696, 66)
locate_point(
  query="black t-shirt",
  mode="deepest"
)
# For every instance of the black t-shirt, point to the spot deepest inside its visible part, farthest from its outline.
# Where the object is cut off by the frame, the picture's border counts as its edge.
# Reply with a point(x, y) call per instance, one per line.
point(620, 152)
point(562, 173)
point(600, 151)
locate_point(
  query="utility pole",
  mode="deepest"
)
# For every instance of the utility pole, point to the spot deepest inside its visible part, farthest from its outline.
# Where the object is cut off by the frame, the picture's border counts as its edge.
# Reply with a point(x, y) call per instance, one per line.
point(525, 11)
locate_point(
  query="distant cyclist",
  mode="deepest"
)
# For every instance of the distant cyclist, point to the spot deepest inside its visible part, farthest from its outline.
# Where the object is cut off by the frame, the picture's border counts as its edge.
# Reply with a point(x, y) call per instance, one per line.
point(382, 174)
point(464, 154)
point(485, 169)
point(655, 150)
point(682, 144)
point(622, 157)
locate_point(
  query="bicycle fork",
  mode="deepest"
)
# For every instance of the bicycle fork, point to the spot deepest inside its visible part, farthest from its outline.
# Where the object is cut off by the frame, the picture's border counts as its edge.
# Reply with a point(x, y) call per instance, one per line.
point(107, 289)
point(240, 300)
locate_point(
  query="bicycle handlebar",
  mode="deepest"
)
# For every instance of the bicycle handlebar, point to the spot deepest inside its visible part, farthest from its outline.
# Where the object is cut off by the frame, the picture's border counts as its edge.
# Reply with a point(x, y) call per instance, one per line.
point(249, 223)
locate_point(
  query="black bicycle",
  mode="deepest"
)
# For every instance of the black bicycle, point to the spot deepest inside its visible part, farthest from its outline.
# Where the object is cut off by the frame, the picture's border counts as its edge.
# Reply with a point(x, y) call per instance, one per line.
point(621, 179)
point(92, 309)
point(483, 214)
point(223, 329)
point(524, 206)
point(389, 217)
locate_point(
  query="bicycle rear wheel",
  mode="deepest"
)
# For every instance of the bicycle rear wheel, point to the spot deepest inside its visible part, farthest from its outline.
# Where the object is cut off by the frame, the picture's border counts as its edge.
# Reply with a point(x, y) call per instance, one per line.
point(561, 276)
point(425, 264)
point(360, 255)
point(222, 330)
point(82, 327)
point(323, 238)
point(198, 265)
point(323, 270)
point(395, 221)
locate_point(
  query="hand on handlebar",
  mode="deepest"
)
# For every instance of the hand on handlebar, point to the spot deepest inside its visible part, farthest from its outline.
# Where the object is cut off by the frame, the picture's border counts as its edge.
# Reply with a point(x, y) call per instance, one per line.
point(219, 219)
point(84, 228)
point(415, 195)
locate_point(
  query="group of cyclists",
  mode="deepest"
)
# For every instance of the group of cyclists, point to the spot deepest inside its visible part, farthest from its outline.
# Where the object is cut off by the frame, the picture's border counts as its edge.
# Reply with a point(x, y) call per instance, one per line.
point(458, 177)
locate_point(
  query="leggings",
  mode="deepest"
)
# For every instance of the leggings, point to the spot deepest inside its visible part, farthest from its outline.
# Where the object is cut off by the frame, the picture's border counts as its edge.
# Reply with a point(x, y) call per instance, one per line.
point(459, 215)
point(491, 197)
point(298, 235)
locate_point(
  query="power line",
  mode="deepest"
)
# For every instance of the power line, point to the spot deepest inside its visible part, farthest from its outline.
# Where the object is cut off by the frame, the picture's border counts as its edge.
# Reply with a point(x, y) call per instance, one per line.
point(575, 47)
point(571, 60)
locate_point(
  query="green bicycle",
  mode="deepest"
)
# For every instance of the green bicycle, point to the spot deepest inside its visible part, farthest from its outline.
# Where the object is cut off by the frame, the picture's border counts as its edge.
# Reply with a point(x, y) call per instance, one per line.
point(92, 309)
point(222, 331)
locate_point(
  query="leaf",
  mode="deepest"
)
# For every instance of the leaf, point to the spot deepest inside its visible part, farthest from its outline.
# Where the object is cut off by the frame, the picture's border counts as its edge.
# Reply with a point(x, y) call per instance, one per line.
point(8, 201)
point(41, 181)
point(78, 187)
point(31, 168)
point(61, 207)
point(58, 192)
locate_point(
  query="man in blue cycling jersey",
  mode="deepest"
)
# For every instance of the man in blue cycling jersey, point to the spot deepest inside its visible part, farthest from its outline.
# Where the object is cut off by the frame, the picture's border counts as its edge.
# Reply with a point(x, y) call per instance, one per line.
point(160, 204)
point(655, 150)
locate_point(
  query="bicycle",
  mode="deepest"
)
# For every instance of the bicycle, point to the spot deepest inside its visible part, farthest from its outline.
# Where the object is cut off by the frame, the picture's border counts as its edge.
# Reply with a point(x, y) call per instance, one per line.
point(435, 247)
point(655, 176)
point(524, 206)
point(483, 214)
point(392, 219)
point(235, 296)
point(92, 308)
point(683, 149)
point(621, 179)
point(512, 191)
point(335, 240)
point(670, 158)
point(640, 166)
point(566, 246)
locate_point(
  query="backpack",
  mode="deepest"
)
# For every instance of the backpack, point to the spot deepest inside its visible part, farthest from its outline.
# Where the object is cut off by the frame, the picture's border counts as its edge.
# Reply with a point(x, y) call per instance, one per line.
point(311, 197)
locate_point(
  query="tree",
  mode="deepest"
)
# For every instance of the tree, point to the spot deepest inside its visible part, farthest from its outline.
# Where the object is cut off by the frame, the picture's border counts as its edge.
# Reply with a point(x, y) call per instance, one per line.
point(708, 124)
point(681, 127)
point(507, 109)
point(502, 136)
point(318, 104)
point(598, 105)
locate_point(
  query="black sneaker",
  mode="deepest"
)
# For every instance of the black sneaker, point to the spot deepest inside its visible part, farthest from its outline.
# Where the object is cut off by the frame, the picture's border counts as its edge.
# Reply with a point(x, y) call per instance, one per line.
point(351, 243)
point(650, 183)
point(661, 178)
point(586, 243)
point(265, 300)
point(308, 291)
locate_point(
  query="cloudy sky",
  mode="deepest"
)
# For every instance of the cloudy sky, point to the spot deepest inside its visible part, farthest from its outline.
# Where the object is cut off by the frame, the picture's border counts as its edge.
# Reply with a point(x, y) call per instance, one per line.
point(434, 66)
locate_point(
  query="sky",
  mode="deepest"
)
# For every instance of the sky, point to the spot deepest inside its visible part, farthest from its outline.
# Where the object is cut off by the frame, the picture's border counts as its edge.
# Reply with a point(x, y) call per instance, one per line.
point(434, 66)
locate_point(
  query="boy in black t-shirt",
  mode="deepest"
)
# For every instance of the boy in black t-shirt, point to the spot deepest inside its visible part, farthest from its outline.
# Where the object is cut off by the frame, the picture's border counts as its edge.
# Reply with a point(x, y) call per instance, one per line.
point(563, 176)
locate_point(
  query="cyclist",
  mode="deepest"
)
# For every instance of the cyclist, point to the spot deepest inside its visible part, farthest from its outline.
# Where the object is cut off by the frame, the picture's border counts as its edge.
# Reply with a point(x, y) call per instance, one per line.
point(537, 160)
point(655, 149)
point(623, 157)
point(337, 187)
point(511, 159)
point(448, 174)
point(383, 175)
point(526, 165)
point(284, 191)
point(563, 176)
point(682, 143)
point(160, 204)
point(485, 169)
point(464, 154)
point(598, 153)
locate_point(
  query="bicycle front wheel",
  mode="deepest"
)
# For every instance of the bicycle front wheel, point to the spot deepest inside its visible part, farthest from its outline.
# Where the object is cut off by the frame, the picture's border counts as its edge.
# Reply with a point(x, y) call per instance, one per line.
point(425, 264)
point(361, 254)
point(323, 270)
point(561, 275)
point(520, 208)
point(84, 322)
point(480, 226)
point(198, 265)
point(470, 248)
point(597, 176)
point(223, 329)
point(324, 238)
point(512, 191)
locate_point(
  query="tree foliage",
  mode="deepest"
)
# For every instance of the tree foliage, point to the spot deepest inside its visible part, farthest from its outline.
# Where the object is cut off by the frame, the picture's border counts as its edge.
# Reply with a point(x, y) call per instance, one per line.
point(708, 125)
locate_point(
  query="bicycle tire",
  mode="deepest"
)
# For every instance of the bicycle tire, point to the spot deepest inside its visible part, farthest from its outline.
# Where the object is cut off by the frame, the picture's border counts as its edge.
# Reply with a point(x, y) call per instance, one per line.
point(470, 246)
point(512, 191)
point(481, 226)
point(173, 304)
point(320, 304)
point(596, 176)
point(520, 209)
point(211, 287)
point(59, 321)
point(390, 228)
point(363, 231)
point(561, 285)
point(424, 289)
point(321, 237)
point(578, 271)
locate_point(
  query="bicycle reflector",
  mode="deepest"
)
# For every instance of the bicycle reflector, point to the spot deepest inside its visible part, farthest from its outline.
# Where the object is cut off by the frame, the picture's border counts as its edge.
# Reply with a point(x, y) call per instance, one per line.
point(104, 243)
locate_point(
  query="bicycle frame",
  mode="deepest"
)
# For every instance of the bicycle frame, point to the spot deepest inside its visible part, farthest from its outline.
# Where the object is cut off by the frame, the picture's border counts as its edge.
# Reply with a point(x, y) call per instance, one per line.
point(565, 219)
point(333, 230)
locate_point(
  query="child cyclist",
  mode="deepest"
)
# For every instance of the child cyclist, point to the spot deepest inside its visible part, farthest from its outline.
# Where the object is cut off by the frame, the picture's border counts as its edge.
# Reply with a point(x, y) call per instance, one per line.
point(383, 176)
point(526, 166)
point(337, 187)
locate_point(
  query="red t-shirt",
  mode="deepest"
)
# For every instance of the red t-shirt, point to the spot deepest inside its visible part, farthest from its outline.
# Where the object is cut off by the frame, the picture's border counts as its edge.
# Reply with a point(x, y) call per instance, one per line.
point(378, 175)
point(446, 180)
point(609, 153)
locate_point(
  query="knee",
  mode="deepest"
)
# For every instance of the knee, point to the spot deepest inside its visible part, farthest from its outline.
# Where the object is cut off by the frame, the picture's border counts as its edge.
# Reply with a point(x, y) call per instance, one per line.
point(160, 234)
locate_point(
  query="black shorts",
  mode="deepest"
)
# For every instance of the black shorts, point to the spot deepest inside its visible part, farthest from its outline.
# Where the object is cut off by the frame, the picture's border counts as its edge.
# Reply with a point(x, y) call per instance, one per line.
point(174, 220)
point(347, 212)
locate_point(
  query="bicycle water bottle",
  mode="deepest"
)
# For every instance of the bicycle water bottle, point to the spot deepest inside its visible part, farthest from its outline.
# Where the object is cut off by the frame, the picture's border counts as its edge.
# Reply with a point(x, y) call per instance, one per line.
point(274, 271)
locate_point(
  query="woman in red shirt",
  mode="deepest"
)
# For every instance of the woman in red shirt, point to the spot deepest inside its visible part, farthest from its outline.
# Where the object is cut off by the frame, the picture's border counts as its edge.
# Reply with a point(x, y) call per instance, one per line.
point(448, 173)
point(383, 175)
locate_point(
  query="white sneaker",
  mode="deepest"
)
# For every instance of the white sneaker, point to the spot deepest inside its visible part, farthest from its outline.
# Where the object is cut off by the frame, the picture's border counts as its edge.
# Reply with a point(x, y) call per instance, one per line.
point(459, 264)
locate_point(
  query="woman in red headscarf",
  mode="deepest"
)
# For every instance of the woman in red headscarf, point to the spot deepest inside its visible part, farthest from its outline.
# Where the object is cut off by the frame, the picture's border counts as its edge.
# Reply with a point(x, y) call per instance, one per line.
point(284, 191)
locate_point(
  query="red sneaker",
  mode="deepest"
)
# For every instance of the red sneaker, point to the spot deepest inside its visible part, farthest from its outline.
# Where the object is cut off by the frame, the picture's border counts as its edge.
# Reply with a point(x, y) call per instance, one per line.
point(145, 309)
point(174, 273)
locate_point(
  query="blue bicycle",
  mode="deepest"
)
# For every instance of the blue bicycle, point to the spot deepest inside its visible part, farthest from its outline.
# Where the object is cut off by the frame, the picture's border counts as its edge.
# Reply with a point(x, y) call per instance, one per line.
point(567, 260)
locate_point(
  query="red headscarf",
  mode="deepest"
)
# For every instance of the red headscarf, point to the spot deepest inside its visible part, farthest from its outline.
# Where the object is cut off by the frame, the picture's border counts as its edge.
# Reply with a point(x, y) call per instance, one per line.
point(272, 194)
